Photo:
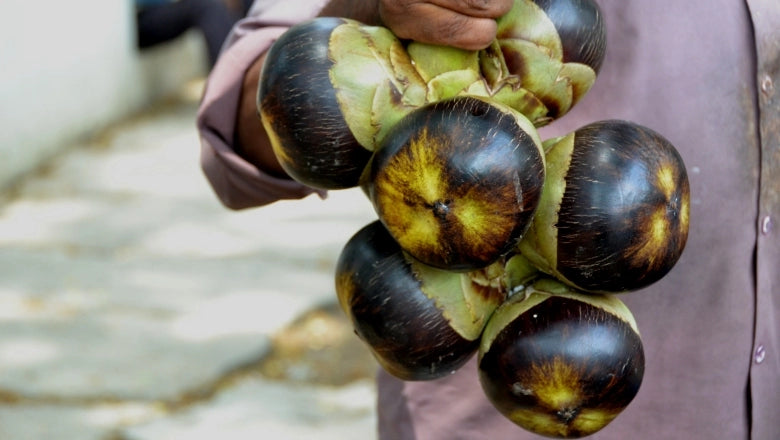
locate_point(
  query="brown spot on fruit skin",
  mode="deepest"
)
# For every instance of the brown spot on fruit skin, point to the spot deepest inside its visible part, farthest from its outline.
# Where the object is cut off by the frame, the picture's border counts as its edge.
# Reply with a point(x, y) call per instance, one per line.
point(517, 65)
point(457, 182)
point(489, 283)
point(307, 129)
point(623, 220)
point(563, 368)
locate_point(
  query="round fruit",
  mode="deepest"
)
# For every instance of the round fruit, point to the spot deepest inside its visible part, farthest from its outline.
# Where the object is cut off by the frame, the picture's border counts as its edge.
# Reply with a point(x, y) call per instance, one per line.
point(419, 322)
point(614, 211)
point(300, 111)
point(456, 182)
point(559, 363)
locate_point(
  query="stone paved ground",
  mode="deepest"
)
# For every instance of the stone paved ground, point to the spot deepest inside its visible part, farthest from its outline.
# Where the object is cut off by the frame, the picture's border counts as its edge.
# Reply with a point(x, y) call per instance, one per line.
point(134, 306)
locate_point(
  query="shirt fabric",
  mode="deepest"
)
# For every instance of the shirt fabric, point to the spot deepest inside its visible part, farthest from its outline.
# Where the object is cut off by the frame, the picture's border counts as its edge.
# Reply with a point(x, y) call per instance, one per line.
point(706, 75)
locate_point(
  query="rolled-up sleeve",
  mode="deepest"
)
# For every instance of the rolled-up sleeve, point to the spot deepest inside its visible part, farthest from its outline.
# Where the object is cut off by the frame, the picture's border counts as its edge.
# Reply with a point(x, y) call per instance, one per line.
point(237, 183)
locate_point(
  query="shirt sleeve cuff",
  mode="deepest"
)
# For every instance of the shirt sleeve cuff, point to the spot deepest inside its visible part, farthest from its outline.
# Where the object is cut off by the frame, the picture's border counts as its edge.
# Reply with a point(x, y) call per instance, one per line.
point(237, 183)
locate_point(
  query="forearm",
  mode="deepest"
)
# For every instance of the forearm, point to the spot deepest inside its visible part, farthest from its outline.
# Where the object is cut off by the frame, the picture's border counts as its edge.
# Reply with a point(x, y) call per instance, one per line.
point(251, 141)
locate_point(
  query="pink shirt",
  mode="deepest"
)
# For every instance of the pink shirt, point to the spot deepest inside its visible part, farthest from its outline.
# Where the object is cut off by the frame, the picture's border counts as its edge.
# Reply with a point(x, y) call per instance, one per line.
point(706, 75)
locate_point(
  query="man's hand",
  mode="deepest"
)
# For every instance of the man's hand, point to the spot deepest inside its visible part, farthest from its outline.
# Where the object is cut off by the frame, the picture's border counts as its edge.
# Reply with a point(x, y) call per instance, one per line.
point(467, 24)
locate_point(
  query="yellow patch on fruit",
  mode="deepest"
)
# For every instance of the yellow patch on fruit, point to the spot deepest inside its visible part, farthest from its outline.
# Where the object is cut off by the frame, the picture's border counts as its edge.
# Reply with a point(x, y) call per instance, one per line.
point(267, 119)
point(654, 243)
point(558, 411)
point(345, 291)
point(664, 179)
point(556, 385)
point(410, 183)
point(590, 420)
point(539, 422)
point(476, 218)
point(685, 208)
point(649, 251)
point(419, 171)
point(584, 423)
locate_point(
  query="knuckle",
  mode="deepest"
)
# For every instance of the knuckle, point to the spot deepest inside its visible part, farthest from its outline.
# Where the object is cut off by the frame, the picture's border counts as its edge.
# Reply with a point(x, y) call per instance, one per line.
point(454, 28)
point(479, 5)
point(487, 8)
point(465, 33)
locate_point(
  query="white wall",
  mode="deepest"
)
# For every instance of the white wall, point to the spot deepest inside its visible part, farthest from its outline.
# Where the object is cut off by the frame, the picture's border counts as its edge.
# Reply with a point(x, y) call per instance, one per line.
point(69, 68)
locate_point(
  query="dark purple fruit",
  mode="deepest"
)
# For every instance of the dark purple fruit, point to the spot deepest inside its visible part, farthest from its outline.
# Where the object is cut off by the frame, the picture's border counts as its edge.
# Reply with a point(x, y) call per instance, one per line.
point(300, 111)
point(614, 213)
point(456, 182)
point(419, 322)
point(559, 363)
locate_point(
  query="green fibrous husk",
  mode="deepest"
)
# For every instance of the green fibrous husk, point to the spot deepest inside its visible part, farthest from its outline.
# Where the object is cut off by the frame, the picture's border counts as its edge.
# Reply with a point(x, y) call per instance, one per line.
point(375, 81)
point(468, 299)
point(540, 243)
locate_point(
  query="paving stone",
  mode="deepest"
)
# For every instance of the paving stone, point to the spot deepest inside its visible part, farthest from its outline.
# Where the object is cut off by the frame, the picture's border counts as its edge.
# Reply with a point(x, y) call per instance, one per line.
point(258, 409)
point(75, 422)
point(122, 278)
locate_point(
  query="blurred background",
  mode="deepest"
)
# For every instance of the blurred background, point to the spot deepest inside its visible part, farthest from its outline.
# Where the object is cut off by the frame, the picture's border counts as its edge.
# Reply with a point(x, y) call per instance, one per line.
point(132, 304)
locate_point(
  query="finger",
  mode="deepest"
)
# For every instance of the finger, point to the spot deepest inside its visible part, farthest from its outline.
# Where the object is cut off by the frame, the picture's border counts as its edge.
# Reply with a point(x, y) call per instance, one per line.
point(476, 8)
point(429, 23)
